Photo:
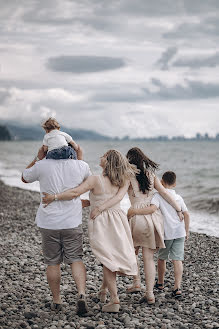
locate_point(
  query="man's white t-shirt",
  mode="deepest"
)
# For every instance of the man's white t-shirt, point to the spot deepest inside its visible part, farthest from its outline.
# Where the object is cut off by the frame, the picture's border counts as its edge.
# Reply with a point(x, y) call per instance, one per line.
point(173, 227)
point(56, 176)
point(56, 139)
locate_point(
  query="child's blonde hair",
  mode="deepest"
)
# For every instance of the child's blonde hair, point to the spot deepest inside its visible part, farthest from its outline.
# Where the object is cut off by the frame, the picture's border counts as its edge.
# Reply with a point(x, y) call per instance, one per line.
point(51, 124)
point(117, 168)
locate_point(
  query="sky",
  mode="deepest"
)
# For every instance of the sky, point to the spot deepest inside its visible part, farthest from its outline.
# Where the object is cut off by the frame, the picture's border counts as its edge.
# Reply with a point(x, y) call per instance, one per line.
point(121, 67)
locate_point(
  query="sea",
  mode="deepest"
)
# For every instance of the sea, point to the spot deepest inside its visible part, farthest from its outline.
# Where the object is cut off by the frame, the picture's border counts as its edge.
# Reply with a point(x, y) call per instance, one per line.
point(196, 164)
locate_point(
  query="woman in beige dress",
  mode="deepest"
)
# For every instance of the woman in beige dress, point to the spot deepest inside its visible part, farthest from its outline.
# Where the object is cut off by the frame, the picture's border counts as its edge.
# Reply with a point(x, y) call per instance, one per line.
point(147, 230)
point(109, 233)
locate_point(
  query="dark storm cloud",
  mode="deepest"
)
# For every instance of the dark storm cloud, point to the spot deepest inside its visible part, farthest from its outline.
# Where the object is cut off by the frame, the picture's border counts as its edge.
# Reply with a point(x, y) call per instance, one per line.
point(192, 90)
point(166, 57)
point(84, 64)
point(197, 62)
point(100, 9)
point(206, 27)
point(189, 91)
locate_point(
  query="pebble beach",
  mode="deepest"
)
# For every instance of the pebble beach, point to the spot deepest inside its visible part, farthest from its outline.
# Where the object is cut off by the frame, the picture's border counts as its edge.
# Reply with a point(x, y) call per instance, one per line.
point(25, 296)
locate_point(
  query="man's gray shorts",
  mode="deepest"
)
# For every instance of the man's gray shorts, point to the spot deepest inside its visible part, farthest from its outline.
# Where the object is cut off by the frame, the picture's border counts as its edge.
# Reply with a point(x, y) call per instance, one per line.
point(62, 245)
point(174, 249)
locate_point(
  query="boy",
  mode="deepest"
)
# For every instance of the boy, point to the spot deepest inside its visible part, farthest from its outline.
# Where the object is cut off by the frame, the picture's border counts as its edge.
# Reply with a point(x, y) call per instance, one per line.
point(175, 232)
point(55, 142)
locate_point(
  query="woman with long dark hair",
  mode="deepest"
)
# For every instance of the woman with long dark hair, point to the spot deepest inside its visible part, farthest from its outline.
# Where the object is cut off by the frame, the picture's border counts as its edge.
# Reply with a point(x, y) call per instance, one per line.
point(147, 230)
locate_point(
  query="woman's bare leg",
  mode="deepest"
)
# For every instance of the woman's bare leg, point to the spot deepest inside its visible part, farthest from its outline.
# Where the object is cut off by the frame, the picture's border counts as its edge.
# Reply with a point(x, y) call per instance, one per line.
point(136, 284)
point(110, 281)
point(149, 270)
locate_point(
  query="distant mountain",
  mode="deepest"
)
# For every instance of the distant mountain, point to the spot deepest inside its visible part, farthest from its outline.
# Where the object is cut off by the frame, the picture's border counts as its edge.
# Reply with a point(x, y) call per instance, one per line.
point(4, 134)
point(22, 132)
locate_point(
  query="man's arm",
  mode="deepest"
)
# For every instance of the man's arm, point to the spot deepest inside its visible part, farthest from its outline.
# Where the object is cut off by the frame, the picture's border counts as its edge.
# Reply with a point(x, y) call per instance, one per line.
point(39, 156)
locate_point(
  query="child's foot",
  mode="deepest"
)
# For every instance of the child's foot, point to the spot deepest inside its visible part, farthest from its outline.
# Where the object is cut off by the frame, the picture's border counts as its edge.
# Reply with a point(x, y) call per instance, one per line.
point(177, 293)
point(159, 286)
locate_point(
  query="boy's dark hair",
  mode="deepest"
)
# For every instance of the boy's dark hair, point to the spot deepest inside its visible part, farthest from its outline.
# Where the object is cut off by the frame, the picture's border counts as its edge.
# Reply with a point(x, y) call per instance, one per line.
point(169, 177)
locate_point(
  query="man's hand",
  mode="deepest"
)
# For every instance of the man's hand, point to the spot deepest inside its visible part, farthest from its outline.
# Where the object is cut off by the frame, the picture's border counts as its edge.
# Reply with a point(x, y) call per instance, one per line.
point(131, 212)
point(47, 199)
point(187, 236)
point(41, 154)
point(94, 213)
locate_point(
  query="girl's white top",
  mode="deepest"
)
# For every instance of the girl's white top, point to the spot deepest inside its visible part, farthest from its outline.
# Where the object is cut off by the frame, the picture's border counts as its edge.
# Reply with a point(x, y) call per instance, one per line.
point(56, 139)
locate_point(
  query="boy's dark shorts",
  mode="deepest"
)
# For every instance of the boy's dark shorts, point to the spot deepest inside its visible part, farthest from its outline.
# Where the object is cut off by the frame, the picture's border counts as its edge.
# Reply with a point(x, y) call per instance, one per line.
point(62, 245)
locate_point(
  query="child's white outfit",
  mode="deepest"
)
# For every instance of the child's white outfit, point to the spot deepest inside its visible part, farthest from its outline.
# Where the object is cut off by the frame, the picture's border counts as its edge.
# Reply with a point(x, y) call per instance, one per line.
point(174, 228)
point(56, 139)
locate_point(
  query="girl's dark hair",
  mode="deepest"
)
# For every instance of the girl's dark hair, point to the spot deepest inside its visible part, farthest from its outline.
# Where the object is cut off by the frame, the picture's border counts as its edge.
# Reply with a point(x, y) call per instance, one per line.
point(144, 164)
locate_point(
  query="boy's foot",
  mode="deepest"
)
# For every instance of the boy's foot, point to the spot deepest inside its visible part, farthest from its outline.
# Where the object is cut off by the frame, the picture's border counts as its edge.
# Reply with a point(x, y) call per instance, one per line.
point(177, 293)
point(159, 286)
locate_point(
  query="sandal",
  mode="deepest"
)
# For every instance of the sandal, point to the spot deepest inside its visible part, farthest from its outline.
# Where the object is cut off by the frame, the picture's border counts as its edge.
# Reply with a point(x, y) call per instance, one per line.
point(136, 287)
point(177, 293)
point(102, 295)
point(112, 307)
point(148, 298)
point(159, 286)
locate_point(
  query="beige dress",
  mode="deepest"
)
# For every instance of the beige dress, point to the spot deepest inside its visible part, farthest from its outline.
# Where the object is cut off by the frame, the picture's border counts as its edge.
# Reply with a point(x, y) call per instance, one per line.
point(147, 230)
point(110, 236)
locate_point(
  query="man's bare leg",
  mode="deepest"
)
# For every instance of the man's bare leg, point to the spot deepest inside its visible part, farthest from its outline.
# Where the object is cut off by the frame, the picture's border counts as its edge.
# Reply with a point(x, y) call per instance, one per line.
point(79, 275)
point(54, 278)
point(178, 272)
point(161, 269)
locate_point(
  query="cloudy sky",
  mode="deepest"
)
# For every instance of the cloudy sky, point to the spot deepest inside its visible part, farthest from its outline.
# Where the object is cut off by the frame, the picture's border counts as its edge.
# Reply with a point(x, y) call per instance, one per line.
point(119, 67)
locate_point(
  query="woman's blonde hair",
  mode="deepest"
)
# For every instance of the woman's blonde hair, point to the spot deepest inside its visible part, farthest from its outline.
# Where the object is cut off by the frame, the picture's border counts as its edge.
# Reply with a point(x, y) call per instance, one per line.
point(51, 124)
point(117, 168)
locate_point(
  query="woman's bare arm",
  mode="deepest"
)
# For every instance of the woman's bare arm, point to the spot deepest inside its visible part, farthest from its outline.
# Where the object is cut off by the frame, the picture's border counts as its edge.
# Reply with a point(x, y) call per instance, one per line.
point(110, 202)
point(163, 192)
point(87, 185)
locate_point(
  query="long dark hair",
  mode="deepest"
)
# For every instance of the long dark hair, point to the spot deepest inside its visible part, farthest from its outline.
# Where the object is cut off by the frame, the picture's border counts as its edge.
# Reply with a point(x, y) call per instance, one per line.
point(144, 164)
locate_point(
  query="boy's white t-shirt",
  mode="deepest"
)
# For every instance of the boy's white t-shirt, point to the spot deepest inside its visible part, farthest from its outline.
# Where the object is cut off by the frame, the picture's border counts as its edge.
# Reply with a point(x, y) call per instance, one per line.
point(56, 139)
point(173, 227)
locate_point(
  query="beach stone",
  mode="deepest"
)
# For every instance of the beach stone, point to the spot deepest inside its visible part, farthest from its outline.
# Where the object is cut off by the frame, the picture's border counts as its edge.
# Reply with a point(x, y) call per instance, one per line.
point(213, 309)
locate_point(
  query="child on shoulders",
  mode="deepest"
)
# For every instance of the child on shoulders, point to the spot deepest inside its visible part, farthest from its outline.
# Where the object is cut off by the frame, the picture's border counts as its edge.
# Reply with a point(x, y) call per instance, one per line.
point(56, 142)
point(175, 232)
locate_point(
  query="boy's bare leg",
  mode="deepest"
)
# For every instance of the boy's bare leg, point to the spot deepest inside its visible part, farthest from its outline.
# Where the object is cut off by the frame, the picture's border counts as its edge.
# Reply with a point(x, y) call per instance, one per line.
point(54, 278)
point(161, 269)
point(178, 272)
point(79, 275)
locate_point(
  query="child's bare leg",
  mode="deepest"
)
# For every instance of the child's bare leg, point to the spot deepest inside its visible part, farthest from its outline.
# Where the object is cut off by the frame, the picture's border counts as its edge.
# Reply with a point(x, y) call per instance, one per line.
point(178, 272)
point(161, 269)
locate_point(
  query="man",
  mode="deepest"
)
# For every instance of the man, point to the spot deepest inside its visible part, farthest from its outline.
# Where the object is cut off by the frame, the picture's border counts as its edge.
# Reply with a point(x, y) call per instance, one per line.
point(60, 223)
